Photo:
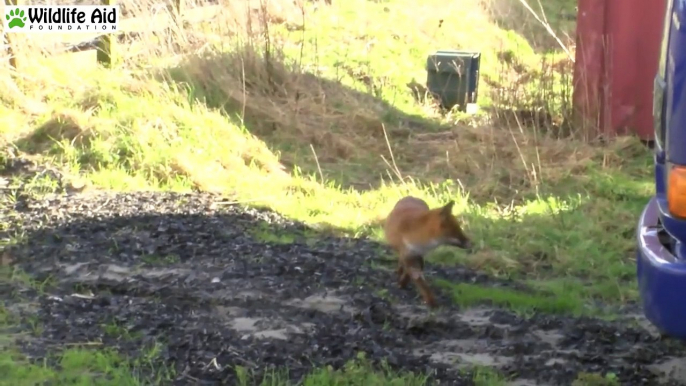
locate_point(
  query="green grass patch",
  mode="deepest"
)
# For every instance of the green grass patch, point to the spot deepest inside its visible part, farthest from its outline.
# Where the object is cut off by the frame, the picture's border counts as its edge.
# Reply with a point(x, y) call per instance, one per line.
point(81, 366)
point(355, 372)
point(266, 233)
point(360, 371)
point(521, 302)
point(595, 379)
point(160, 260)
point(484, 376)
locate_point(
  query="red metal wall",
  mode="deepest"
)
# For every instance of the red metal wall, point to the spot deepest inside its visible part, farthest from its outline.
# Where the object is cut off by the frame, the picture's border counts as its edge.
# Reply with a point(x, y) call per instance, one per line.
point(618, 44)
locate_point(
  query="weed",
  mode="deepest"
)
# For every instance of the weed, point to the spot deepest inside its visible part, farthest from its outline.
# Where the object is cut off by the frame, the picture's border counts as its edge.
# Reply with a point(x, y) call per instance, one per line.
point(160, 260)
point(595, 379)
point(484, 376)
point(77, 367)
point(355, 372)
point(118, 330)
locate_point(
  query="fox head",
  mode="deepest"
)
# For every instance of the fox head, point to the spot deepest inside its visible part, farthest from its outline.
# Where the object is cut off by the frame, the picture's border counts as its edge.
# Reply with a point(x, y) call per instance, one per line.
point(449, 228)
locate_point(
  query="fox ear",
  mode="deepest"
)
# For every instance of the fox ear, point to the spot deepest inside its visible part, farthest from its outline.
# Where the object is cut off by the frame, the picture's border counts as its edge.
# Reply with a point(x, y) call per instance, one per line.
point(447, 209)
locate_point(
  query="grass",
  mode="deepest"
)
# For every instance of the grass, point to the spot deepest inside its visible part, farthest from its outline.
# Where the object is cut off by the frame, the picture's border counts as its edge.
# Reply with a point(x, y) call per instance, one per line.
point(467, 295)
point(355, 372)
point(309, 111)
point(360, 372)
point(77, 367)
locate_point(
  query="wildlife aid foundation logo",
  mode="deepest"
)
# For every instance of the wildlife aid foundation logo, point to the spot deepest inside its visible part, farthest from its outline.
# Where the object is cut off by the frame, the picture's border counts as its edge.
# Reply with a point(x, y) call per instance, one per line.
point(61, 18)
point(15, 19)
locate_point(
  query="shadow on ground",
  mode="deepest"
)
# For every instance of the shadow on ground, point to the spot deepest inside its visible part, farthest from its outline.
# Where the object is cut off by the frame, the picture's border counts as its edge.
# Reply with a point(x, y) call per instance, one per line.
point(218, 286)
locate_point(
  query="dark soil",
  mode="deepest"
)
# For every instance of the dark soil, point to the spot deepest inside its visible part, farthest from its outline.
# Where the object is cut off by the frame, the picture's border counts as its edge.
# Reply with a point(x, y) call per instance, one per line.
point(187, 272)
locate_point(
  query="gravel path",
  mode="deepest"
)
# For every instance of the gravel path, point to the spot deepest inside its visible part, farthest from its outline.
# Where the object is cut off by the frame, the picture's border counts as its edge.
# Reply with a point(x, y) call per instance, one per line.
point(187, 272)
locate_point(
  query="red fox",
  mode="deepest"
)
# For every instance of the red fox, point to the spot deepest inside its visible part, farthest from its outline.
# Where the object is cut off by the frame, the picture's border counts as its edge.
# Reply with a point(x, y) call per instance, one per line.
point(412, 229)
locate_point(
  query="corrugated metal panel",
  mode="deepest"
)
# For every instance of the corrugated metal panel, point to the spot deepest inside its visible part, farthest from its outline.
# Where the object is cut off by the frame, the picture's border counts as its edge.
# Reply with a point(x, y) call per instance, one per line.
point(618, 44)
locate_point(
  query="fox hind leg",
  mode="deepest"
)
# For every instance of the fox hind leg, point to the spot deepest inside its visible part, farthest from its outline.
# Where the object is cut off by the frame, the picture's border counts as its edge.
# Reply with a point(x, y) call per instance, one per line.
point(403, 275)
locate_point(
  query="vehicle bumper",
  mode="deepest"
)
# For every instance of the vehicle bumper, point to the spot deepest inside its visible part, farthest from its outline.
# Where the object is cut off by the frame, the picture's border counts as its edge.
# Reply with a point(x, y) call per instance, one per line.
point(661, 277)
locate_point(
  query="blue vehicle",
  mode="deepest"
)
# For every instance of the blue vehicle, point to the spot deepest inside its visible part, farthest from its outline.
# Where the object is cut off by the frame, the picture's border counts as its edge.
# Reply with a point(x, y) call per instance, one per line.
point(661, 233)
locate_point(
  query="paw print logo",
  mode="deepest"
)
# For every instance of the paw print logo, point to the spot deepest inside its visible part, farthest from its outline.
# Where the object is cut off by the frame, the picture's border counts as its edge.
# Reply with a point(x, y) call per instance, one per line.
point(16, 18)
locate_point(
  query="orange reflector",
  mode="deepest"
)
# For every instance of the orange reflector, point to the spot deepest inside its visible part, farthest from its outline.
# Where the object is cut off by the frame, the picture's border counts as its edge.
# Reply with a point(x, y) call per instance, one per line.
point(676, 191)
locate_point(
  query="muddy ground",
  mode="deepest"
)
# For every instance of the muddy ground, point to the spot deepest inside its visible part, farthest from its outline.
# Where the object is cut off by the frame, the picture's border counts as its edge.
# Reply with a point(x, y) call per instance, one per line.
point(196, 275)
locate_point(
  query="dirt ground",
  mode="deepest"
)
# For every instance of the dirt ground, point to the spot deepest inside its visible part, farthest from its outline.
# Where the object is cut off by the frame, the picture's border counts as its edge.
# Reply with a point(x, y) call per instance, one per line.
point(191, 273)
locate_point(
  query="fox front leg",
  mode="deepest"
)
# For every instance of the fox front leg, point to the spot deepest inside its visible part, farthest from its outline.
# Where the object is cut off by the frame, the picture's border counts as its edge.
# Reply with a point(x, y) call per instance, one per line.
point(414, 272)
point(404, 265)
point(403, 275)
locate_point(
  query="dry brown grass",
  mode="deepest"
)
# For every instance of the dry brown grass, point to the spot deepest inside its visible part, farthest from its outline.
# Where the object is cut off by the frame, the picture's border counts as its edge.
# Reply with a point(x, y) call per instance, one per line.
point(560, 15)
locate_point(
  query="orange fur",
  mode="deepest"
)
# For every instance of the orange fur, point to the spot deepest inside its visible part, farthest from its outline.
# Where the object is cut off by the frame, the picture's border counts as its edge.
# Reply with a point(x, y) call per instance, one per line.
point(413, 229)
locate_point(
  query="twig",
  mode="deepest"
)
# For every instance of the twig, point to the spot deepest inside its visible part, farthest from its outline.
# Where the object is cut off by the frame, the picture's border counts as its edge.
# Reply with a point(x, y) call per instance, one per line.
point(548, 28)
point(245, 102)
point(242, 201)
point(83, 344)
point(316, 159)
point(390, 150)
point(214, 363)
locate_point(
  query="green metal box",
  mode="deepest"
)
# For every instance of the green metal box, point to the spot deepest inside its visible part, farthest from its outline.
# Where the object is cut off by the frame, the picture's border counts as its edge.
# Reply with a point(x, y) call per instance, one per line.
point(453, 76)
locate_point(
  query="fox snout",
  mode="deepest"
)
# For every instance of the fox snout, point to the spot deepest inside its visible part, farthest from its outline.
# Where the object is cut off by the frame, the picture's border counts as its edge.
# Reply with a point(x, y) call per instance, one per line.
point(461, 243)
point(452, 232)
